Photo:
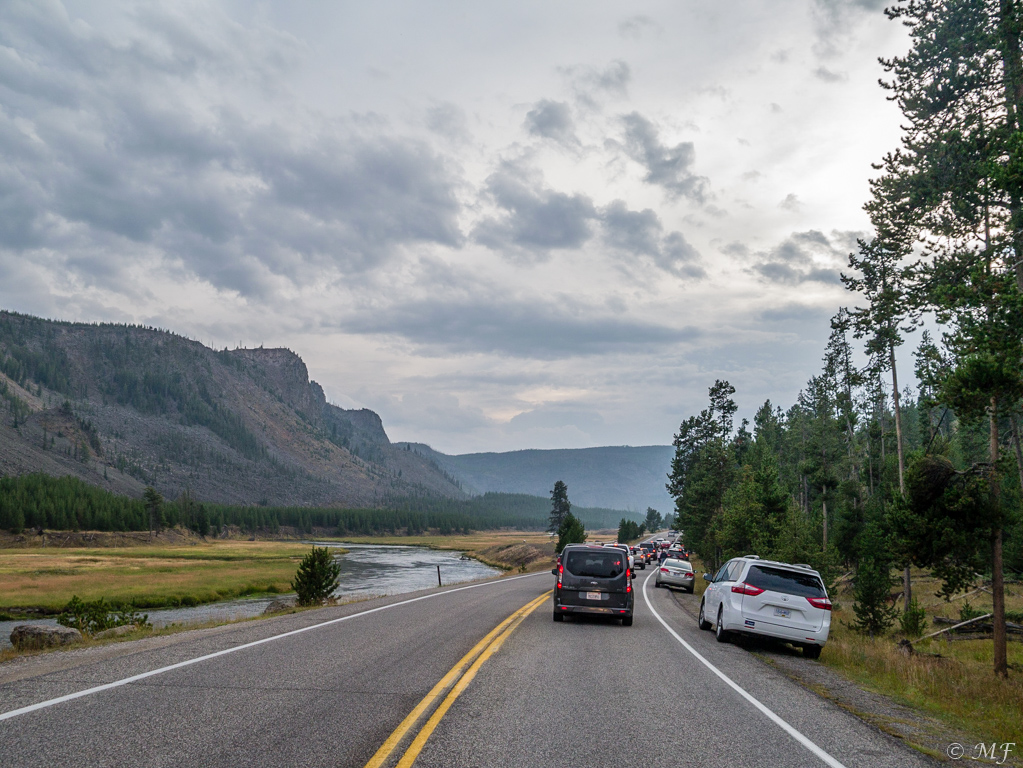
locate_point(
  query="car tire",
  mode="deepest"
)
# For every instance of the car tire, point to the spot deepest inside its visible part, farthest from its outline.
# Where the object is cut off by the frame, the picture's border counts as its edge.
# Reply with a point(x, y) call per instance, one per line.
point(627, 621)
point(720, 634)
point(559, 616)
point(812, 651)
point(703, 623)
point(690, 590)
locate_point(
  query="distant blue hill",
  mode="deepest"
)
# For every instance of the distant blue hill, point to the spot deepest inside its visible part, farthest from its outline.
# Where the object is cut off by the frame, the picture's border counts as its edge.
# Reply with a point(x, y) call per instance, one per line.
point(619, 477)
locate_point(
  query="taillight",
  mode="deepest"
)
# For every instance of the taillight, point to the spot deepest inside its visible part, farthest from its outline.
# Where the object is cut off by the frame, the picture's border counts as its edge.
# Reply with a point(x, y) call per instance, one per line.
point(746, 589)
point(628, 588)
point(665, 570)
point(561, 571)
point(820, 602)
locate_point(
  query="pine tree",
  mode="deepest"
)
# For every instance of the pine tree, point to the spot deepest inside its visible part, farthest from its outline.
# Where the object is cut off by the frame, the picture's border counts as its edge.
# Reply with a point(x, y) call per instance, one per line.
point(317, 577)
point(560, 506)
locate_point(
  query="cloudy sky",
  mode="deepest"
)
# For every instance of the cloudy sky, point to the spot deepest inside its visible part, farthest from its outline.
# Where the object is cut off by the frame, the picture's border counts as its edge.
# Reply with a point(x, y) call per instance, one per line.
point(499, 225)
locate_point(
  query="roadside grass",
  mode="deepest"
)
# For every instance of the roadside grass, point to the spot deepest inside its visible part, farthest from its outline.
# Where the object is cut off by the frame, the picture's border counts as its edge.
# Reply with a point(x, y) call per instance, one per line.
point(949, 680)
point(176, 628)
point(146, 577)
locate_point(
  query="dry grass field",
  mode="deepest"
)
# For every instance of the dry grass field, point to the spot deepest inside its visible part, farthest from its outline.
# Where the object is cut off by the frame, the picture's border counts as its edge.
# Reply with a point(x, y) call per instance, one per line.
point(148, 576)
point(949, 679)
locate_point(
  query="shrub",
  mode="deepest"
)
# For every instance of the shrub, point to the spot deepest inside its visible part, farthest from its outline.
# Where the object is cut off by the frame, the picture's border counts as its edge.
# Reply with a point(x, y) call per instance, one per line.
point(317, 577)
point(96, 615)
point(914, 621)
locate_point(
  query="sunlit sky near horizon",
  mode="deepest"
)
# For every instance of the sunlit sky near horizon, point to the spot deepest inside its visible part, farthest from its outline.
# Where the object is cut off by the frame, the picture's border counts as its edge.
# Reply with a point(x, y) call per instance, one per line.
point(500, 226)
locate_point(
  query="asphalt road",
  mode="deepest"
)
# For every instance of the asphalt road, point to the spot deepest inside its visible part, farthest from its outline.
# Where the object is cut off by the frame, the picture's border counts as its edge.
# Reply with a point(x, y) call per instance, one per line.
point(583, 692)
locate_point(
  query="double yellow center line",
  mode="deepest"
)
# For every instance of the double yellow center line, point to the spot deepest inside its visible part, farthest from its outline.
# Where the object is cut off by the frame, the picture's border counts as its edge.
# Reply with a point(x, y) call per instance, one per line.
point(450, 688)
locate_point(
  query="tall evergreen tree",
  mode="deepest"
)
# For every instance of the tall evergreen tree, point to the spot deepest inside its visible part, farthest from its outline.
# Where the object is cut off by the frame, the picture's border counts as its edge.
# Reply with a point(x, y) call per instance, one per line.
point(560, 506)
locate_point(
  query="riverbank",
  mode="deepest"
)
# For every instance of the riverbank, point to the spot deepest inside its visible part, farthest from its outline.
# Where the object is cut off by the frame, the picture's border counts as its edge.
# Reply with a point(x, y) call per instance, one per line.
point(521, 551)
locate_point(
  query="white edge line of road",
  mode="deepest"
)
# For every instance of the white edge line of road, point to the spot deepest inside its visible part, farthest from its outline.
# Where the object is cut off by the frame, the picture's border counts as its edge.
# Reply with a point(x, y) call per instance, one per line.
point(742, 691)
point(235, 649)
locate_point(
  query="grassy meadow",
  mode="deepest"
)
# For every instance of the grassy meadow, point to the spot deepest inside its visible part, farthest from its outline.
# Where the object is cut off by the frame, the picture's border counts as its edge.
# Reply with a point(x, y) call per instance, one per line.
point(146, 576)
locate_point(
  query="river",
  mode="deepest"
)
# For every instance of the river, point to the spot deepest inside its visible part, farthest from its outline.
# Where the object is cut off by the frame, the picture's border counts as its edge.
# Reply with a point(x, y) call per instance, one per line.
point(367, 570)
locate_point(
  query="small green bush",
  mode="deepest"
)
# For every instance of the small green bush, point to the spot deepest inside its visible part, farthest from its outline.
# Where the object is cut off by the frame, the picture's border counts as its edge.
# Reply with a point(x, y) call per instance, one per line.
point(96, 615)
point(968, 612)
point(317, 577)
point(913, 622)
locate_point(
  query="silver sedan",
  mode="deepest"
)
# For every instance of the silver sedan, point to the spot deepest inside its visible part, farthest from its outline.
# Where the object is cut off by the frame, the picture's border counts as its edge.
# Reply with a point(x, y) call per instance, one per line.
point(675, 573)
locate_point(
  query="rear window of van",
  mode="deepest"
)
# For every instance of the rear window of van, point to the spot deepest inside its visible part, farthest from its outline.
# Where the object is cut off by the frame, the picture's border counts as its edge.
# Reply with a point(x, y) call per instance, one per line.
point(786, 582)
point(604, 564)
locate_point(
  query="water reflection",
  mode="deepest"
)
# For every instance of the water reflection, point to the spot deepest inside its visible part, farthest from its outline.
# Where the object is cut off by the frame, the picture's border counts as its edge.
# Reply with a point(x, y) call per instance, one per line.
point(367, 570)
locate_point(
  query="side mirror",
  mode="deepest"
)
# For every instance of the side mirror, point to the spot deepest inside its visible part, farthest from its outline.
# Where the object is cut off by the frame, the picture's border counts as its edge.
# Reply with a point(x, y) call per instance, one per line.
point(554, 571)
point(708, 577)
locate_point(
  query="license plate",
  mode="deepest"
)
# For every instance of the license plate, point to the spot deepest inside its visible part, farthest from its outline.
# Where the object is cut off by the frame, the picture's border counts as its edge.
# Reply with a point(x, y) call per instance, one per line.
point(783, 612)
point(593, 595)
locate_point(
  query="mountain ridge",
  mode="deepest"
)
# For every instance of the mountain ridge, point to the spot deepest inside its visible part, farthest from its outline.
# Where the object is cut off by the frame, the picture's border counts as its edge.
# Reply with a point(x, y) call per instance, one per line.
point(620, 477)
point(124, 406)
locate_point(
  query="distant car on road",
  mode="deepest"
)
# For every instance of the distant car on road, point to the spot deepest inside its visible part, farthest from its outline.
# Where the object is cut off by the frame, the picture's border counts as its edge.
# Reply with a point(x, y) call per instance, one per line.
point(594, 580)
point(675, 573)
point(638, 557)
point(763, 597)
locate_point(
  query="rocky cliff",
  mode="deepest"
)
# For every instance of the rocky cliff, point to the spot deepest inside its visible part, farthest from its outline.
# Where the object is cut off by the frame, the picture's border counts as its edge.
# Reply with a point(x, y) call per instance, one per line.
point(125, 406)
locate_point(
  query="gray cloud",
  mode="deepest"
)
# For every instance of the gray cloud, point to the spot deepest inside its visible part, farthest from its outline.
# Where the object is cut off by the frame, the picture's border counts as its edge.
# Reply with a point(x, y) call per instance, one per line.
point(803, 257)
point(637, 232)
point(640, 233)
point(835, 18)
point(592, 86)
point(105, 141)
point(635, 26)
point(791, 203)
point(492, 324)
point(667, 167)
point(552, 120)
point(825, 74)
point(448, 120)
point(533, 220)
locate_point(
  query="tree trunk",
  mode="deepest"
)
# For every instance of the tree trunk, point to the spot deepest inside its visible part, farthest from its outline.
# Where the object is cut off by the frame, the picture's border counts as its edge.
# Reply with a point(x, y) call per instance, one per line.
point(824, 503)
point(1012, 67)
point(1001, 665)
point(1015, 444)
point(907, 580)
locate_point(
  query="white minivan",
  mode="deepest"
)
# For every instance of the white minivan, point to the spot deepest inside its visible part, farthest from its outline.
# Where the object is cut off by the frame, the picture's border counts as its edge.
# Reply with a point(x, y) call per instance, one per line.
point(763, 597)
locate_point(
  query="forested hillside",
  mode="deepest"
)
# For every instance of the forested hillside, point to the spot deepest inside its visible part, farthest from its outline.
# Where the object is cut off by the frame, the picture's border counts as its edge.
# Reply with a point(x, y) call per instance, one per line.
point(40, 502)
point(622, 477)
point(860, 472)
point(125, 407)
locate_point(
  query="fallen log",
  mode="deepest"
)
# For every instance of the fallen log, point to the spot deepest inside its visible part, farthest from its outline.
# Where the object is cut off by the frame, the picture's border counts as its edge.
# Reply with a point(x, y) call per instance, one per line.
point(954, 626)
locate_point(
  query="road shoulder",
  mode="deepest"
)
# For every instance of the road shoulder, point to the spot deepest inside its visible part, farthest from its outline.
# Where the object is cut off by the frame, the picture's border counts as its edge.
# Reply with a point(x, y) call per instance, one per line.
point(916, 729)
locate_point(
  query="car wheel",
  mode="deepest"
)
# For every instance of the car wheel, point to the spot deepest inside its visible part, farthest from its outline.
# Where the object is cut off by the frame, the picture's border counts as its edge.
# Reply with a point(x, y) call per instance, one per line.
point(690, 590)
point(812, 651)
point(704, 624)
point(719, 631)
point(559, 616)
point(627, 621)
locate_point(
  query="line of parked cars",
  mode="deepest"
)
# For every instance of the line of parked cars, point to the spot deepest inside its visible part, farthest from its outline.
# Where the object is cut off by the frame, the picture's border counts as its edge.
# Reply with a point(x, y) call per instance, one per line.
point(747, 595)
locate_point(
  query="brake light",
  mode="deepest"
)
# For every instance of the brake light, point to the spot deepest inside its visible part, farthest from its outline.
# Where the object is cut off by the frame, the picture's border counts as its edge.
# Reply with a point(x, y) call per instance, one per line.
point(746, 589)
point(665, 570)
point(820, 602)
point(628, 588)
